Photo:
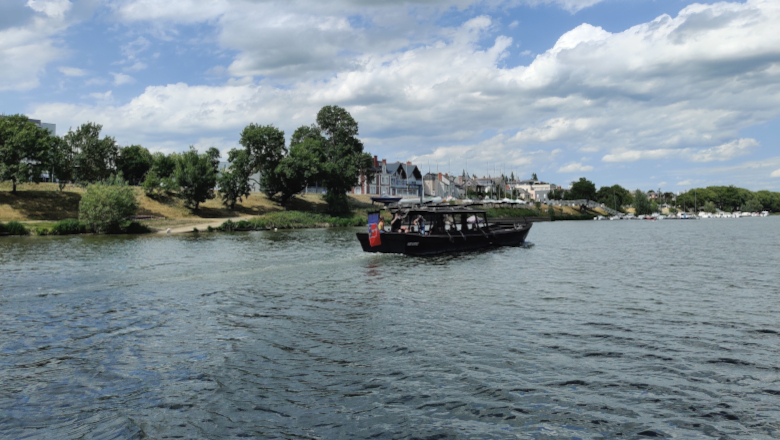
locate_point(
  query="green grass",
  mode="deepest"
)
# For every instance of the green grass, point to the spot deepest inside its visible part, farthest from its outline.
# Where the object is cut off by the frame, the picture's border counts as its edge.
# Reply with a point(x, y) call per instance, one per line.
point(68, 226)
point(292, 220)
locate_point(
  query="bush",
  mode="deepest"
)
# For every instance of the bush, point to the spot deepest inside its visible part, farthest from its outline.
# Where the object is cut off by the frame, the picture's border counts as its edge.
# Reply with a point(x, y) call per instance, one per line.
point(136, 228)
point(292, 220)
point(14, 228)
point(105, 205)
point(68, 227)
point(42, 231)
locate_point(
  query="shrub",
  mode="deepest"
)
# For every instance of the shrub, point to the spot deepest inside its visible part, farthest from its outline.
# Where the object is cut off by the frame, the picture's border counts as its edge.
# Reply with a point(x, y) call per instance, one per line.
point(136, 228)
point(105, 205)
point(195, 230)
point(14, 228)
point(68, 227)
point(42, 231)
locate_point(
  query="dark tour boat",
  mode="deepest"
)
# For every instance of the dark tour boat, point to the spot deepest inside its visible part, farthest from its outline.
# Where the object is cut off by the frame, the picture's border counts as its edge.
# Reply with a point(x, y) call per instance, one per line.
point(431, 230)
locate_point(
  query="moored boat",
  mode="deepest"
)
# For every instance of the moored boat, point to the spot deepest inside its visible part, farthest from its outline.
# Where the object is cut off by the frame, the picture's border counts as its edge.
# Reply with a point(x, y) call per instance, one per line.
point(431, 230)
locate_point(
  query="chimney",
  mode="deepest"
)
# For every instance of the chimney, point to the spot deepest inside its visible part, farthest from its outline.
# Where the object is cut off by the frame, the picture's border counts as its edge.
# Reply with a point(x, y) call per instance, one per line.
point(408, 163)
point(384, 161)
point(376, 164)
point(439, 176)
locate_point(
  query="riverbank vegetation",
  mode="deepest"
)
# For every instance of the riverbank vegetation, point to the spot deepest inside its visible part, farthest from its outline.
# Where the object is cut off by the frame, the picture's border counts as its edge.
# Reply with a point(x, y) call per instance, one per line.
point(292, 220)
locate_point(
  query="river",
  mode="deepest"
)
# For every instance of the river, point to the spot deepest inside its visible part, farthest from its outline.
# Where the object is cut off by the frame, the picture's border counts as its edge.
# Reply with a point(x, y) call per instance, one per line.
point(599, 330)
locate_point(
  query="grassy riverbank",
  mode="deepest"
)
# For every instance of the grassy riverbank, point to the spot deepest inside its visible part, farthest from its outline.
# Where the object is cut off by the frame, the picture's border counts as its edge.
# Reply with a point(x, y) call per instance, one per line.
point(39, 207)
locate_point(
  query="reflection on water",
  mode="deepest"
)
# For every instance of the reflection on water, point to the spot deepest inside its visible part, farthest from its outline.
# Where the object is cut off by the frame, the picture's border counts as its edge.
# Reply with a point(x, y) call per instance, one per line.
point(602, 329)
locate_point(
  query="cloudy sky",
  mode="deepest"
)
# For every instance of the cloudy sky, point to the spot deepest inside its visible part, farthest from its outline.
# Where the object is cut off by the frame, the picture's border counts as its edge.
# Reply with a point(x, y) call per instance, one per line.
point(645, 93)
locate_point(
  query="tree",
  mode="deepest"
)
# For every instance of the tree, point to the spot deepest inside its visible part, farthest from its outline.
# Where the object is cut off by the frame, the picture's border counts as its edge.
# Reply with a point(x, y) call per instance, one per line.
point(159, 179)
point(752, 205)
point(710, 207)
point(343, 158)
point(196, 176)
point(24, 150)
point(300, 167)
point(234, 181)
point(95, 158)
point(163, 165)
point(614, 195)
point(134, 162)
point(105, 205)
point(583, 189)
point(642, 204)
point(533, 177)
point(61, 161)
point(265, 146)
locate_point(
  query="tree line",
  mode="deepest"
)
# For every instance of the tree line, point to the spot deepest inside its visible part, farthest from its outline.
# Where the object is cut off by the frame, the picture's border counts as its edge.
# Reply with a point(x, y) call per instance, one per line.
point(709, 199)
point(327, 152)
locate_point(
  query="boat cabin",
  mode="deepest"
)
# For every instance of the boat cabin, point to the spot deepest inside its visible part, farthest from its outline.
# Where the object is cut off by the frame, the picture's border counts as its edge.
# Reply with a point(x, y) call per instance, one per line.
point(437, 221)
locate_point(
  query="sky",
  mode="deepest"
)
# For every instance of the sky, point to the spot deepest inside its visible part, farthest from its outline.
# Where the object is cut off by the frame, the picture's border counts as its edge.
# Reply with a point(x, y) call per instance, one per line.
point(647, 94)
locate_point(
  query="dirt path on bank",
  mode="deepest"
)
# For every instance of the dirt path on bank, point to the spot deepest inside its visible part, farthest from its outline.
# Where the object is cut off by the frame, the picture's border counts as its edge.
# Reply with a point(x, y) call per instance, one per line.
point(197, 223)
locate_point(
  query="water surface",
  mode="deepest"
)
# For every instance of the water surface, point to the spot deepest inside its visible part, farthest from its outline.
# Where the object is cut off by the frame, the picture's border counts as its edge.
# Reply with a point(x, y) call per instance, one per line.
point(601, 330)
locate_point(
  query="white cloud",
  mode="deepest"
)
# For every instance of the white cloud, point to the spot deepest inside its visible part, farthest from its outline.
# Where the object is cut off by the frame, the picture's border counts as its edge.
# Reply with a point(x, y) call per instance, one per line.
point(26, 49)
point(575, 167)
point(71, 71)
point(674, 88)
point(684, 183)
point(137, 66)
point(105, 97)
point(735, 148)
point(52, 8)
point(121, 78)
point(775, 173)
point(727, 151)
point(135, 47)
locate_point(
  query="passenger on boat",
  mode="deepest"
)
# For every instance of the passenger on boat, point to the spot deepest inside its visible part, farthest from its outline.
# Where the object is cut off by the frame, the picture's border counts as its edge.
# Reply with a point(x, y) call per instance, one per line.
point(381, 225)
point(420, 223)
point(395, 224)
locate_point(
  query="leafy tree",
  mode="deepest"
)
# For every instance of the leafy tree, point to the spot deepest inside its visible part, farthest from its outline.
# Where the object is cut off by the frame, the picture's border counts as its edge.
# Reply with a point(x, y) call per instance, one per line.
point(61, 161)
point(95, 158)
point(159, 179)
point(234, 181)
point(752, 205)
point(614, 195)
point(134, 162)
point(105, 205)
point(265, 146)
point(642, 204)
point(24, 150)
point(163, 165)
point(196, 176)
point(583, 189)
point(710, 207)
point(533, 177)
point(300, 167)
point(343, 158)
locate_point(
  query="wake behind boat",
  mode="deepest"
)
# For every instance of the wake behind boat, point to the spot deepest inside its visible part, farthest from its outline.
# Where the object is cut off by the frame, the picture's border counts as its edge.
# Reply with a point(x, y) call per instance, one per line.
point(431, 230)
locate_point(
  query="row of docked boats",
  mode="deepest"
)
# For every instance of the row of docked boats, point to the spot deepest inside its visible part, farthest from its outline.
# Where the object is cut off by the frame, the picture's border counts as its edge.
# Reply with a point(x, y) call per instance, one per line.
point(684, 216)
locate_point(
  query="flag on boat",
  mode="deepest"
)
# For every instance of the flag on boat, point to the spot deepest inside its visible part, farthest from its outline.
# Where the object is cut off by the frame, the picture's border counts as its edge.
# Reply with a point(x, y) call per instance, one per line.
point(373, 229)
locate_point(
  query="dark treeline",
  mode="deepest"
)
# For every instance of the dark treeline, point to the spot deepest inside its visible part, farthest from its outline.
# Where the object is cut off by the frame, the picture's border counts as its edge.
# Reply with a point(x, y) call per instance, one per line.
point(327, 152)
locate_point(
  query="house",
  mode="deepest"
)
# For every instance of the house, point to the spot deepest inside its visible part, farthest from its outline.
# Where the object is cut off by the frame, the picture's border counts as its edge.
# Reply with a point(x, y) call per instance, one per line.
point(442, 185)
point(394, 179)
point(536, 190)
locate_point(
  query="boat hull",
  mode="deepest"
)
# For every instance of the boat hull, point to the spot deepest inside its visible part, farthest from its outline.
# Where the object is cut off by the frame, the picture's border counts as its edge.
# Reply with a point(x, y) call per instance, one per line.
point(416, 244)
